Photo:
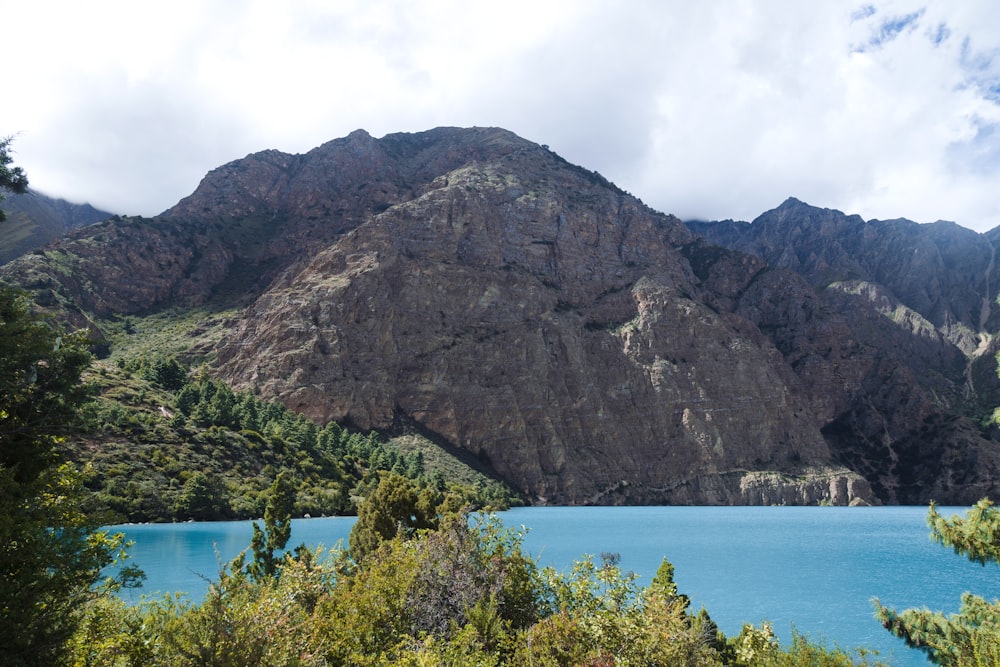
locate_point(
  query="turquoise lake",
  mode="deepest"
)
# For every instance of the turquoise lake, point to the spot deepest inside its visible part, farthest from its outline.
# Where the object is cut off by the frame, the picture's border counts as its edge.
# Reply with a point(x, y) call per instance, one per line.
point(816, 568)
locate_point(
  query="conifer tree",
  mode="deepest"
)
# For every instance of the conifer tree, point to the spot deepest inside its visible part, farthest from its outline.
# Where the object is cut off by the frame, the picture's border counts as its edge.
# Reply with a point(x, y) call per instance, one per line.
point(12, 179)
point(277, 528)
point(392, 509)
point(971, 637)
point(51, 554)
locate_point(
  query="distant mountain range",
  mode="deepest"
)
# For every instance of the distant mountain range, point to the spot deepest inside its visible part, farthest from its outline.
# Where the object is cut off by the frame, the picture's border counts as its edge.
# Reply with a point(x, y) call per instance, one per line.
point(34, 220)
point(477, 289)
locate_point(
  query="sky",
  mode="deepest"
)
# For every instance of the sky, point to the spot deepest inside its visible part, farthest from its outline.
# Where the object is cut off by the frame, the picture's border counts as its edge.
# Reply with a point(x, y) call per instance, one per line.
point(708, 110)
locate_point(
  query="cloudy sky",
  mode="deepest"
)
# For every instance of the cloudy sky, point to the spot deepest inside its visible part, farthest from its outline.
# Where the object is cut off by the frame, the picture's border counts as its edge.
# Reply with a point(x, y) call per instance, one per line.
point(721, 109)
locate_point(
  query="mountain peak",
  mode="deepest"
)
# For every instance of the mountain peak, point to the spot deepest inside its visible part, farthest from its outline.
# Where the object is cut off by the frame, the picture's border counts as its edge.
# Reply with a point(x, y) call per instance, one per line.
point(359, 134)
point(797, 206)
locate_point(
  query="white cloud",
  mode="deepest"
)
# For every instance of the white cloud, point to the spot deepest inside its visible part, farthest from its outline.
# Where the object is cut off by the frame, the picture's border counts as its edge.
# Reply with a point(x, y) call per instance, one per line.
point(886, 108)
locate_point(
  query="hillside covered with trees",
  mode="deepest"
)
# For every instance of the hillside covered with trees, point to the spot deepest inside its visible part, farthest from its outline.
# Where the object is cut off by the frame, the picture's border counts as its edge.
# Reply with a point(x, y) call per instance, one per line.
point(160, 443)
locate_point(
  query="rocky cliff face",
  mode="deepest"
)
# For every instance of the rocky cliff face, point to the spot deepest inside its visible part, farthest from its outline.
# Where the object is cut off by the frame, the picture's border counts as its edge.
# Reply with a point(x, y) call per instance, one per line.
point(940, 271)
point(900, 387)
point(530, 314)
point(476, 288)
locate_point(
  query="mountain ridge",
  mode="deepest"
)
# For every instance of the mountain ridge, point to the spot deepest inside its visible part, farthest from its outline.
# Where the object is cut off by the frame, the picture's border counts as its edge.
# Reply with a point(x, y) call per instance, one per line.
point(936, 280)
point(859, 249)
point(35, 219)
point(476, 287)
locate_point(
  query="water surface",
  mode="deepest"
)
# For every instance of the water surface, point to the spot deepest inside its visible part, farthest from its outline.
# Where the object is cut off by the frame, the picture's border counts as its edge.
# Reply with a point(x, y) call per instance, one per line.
point(814, 567)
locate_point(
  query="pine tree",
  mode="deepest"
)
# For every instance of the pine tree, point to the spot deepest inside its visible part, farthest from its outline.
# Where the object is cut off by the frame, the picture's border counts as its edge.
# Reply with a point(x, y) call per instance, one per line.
point(971, 637)
point(12, 179)
point(277, 528)
point(51, 553)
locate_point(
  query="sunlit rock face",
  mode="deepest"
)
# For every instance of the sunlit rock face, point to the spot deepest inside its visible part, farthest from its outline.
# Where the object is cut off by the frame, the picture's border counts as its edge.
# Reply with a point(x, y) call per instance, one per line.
point(529, 312)
point(476, 288)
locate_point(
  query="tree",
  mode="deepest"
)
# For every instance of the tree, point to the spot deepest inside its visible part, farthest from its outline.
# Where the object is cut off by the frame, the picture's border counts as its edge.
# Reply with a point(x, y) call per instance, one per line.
point(392, 509)
point(167, 373)
point(51, 554)
point(202, 498)
point(600, 616)
point(12, 179)
point(40, 387)
point(277, 528)
point(465, 585)
point(971, 637)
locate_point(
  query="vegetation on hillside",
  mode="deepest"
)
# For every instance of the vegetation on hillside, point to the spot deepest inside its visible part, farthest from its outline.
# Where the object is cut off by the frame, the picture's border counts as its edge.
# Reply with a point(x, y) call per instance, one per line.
point(164, 444)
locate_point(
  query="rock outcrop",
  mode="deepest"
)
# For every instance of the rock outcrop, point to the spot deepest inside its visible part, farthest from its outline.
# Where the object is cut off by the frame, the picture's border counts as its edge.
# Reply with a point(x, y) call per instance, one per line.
point(476, 288)
point(528, 313)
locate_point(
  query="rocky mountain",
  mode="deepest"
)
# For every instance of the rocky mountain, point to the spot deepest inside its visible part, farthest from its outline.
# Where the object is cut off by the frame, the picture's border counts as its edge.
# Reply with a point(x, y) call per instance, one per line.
point(921, 304)
point(33, 220)
point(477, 289)
point(941, 271)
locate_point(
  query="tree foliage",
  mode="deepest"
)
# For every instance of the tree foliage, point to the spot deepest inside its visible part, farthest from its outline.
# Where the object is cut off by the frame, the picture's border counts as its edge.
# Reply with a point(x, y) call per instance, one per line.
point(166, 443)
point(463, 593)
point(392, 509)
point(51, 554)
point(277, 528)
point(972, 636)
point(976, 537)
point(12, 179)
point(40, 388)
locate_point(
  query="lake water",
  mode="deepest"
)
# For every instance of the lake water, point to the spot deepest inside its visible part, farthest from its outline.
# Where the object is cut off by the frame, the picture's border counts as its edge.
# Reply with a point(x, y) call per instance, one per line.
point(814, 567)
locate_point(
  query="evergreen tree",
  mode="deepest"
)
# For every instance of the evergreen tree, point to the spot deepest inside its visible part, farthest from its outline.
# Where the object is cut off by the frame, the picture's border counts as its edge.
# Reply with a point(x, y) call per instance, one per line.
point(40, 387)
point(277, 528)
point(187, 398)
point(167, 373)
point(222, 406)
point(51, 554)
point(415, 465)
point(392, 509)
point(202, 498)
point(12, 179)
point(971, 637)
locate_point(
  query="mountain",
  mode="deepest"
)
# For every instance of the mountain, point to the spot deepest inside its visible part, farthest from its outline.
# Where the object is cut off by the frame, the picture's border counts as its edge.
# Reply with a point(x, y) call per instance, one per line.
point(940, 270)
point(475, 288)
point(34, 220)
point(921, 300)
